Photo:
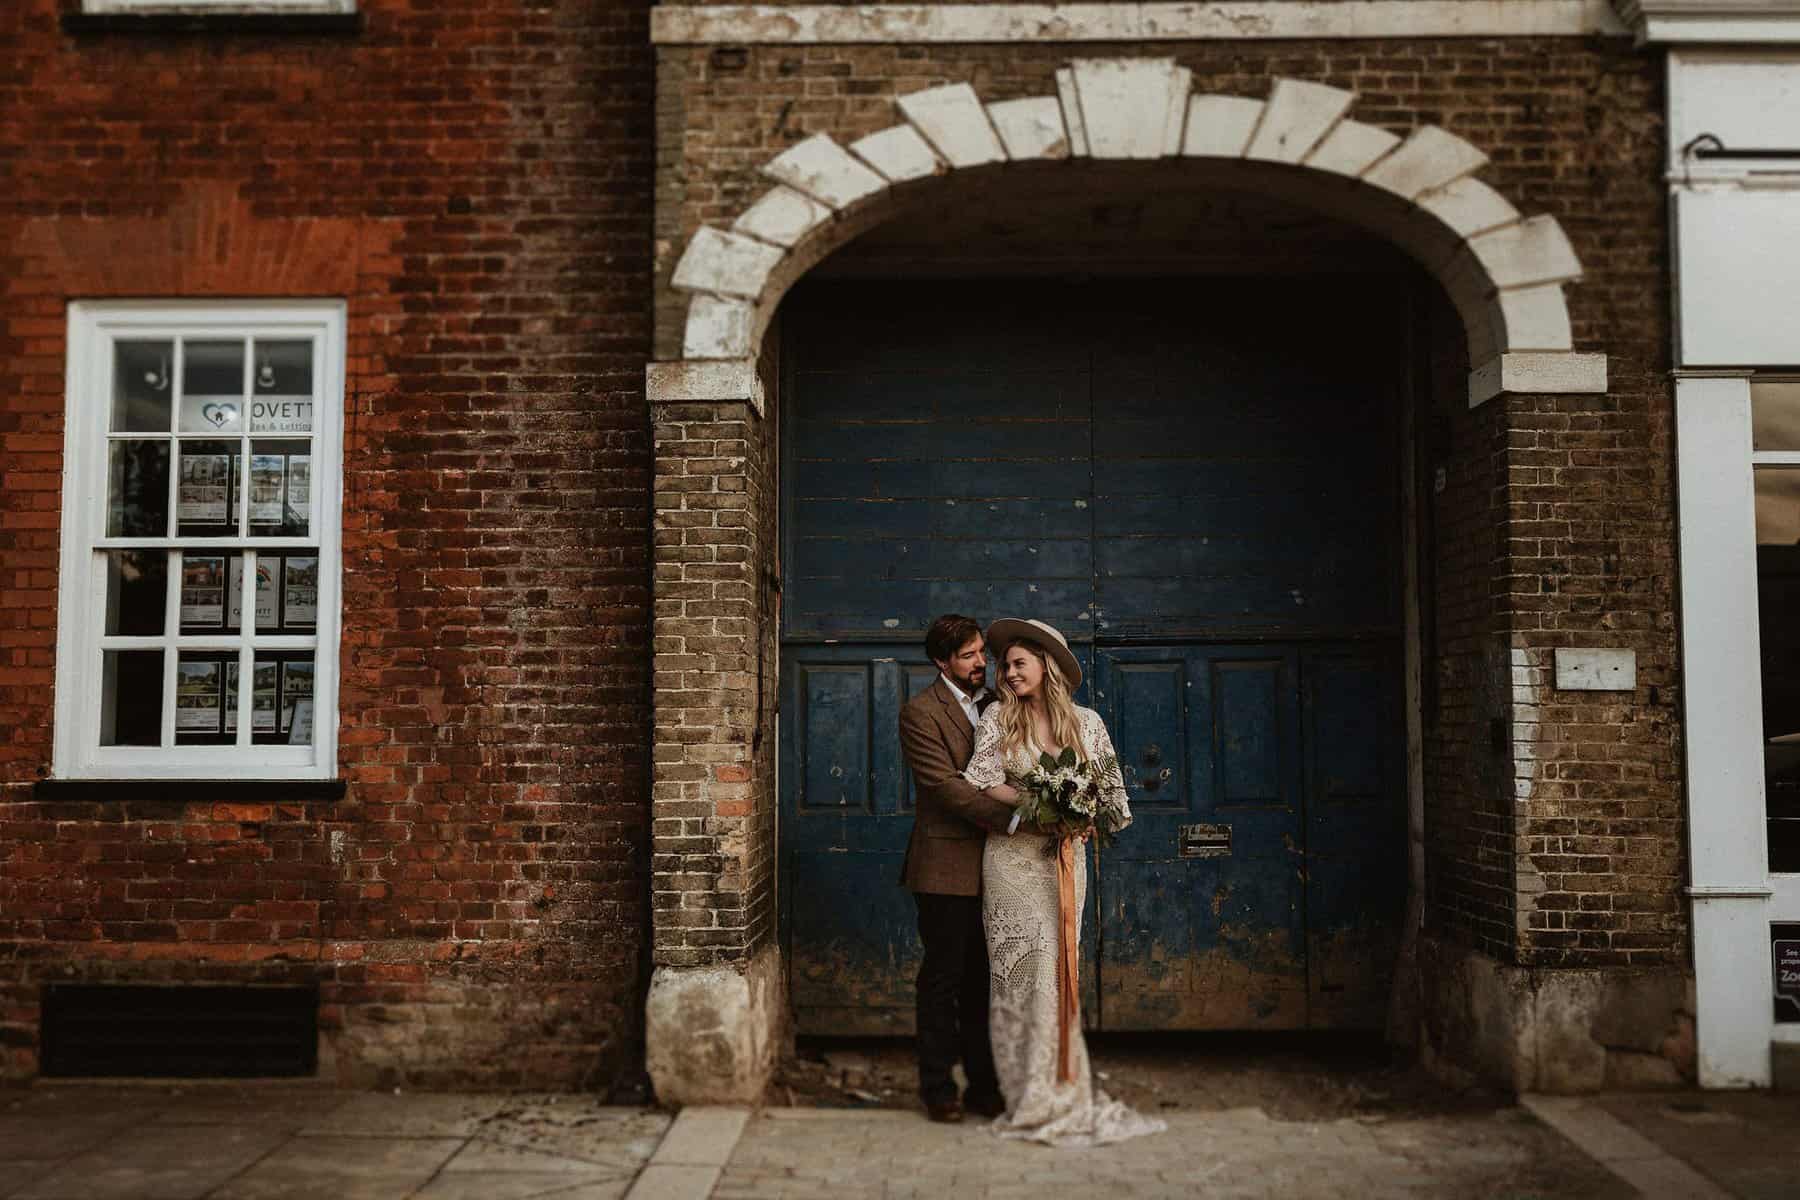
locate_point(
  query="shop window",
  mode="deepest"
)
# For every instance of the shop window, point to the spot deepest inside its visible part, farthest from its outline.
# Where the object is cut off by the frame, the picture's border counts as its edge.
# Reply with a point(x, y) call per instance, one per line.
point(1775, 442)
point(1784, 943)
point(198, 621)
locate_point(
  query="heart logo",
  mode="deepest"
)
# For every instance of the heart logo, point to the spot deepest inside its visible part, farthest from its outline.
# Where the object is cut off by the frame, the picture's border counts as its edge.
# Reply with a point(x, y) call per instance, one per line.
point(220, 415)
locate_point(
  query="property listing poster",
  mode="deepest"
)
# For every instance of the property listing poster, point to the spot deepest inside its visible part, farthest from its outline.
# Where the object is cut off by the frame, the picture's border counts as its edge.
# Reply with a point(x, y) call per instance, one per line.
point(197, 692)
point(299, 489)
point(231, 694)
point(300, 590)
point(204, 480)
point(297, 701)
point(263, 696)
point(203, 589)
point(262, 699)
point(265, 592)
point(268, 474)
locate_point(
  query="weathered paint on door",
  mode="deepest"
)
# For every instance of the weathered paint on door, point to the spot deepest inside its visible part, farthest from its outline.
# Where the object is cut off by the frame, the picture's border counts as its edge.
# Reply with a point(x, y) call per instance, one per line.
point(1196, 482)
point(1260, 883)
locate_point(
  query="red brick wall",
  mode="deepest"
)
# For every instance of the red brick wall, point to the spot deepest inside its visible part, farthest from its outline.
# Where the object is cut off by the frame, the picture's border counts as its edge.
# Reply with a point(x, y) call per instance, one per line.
point(473, 177)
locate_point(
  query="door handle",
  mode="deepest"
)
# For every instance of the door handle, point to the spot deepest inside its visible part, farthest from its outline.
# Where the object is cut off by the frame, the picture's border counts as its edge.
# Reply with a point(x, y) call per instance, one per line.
point(1149, 778)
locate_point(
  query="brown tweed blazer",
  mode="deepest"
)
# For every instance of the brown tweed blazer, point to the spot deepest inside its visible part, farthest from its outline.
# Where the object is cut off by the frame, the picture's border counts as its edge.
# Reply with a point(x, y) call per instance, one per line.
point(943, 857)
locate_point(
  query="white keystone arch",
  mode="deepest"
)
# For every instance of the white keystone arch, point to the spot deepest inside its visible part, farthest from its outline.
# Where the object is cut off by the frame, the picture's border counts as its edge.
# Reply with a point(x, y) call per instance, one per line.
point(1505, 272)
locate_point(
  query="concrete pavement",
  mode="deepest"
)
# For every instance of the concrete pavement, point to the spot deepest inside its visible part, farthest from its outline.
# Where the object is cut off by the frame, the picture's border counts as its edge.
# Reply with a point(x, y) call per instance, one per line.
point(252, 1142)
point(144, 1141)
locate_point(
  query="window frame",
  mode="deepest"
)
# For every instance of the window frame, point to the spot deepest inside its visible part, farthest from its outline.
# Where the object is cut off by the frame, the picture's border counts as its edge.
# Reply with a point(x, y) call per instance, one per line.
point(93, 328)
point(1761, 460)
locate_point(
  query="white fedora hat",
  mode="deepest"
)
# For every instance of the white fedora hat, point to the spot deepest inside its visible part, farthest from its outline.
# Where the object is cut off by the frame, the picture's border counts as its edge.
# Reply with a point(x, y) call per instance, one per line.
point(1007, 630)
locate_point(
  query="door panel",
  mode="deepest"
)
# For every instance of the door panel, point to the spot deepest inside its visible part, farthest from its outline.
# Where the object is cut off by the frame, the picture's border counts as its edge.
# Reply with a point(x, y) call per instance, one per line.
point(846, 813)
point(1356, 836)
point(1204, 739)
point(919, 481)
point(1197, 483)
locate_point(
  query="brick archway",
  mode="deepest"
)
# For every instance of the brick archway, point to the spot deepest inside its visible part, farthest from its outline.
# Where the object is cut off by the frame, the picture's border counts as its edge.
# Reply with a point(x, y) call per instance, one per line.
point(717, 1007)
point(1504, 271)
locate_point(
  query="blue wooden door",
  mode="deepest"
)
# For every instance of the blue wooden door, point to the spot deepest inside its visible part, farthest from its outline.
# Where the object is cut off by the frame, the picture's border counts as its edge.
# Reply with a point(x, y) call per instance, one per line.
point(1208, 510)
point(848, 812)
point(1202, 908)
point(1262, 878)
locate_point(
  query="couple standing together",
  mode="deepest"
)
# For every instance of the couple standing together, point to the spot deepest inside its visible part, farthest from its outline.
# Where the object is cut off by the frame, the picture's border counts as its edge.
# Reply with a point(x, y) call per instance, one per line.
point(997, 987)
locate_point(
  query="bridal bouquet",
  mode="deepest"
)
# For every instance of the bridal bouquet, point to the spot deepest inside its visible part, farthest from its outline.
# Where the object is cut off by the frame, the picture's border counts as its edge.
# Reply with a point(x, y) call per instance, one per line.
point(1066, 791)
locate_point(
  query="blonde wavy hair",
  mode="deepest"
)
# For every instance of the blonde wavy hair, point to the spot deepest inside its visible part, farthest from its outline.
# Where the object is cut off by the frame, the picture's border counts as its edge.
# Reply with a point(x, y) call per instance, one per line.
point(1015, 718)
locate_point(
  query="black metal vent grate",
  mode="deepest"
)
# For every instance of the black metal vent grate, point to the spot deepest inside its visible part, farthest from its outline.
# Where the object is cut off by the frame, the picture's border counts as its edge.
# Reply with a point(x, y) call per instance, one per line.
point(179, 1032)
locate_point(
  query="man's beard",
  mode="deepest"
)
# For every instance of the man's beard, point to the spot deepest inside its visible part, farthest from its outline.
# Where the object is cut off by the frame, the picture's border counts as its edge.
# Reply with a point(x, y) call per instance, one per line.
point(973, 683)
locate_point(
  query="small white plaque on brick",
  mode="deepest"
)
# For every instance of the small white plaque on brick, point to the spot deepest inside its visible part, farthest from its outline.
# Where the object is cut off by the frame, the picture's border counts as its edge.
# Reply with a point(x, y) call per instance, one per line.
point(1589, 670)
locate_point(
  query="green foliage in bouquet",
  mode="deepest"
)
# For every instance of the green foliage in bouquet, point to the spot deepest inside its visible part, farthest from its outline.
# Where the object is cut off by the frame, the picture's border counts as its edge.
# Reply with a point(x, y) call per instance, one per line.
point(1068, 792)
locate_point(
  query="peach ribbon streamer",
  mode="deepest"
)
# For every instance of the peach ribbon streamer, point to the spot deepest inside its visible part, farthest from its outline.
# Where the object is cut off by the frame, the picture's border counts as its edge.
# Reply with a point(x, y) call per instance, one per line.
point(1068, 989)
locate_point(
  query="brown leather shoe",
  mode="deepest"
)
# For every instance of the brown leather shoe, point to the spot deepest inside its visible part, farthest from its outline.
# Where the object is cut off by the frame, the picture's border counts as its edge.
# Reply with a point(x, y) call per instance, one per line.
point(948, 1112)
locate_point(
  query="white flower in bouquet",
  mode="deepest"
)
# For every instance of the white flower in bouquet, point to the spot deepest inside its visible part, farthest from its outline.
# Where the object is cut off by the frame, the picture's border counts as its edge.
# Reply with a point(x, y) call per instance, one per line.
point(1066, 791)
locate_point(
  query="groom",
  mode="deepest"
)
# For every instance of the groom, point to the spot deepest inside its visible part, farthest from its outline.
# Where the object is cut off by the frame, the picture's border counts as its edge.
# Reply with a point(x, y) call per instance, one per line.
point(943, 869)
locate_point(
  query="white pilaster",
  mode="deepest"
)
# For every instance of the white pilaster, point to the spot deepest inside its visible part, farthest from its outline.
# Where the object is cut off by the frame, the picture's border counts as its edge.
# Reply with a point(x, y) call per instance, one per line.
point(1721, 680)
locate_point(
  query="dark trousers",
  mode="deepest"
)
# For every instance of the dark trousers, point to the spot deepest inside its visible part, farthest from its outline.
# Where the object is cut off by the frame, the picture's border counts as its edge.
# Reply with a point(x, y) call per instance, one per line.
point(953, 998)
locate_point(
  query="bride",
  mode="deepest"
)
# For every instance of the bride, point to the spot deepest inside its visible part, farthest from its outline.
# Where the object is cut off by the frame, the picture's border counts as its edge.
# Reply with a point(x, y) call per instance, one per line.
point(1032, 921)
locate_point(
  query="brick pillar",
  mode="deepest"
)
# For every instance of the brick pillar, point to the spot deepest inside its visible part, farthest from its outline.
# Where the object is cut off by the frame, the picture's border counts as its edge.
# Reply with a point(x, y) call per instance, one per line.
point(716, 1009)
point(1559, 957)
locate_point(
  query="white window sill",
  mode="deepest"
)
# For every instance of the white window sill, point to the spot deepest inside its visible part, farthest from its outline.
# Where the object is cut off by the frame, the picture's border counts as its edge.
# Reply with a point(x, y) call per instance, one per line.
point(209, 7)
point(189, 791)
point(298, 17)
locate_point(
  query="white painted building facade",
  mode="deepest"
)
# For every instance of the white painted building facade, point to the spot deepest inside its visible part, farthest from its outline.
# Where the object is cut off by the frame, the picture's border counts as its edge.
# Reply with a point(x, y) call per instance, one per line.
point(1734, 184)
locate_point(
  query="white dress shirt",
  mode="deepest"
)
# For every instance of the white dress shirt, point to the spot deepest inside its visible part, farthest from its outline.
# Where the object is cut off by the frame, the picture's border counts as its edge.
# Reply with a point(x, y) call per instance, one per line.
point(974, 714)
point(968, 702)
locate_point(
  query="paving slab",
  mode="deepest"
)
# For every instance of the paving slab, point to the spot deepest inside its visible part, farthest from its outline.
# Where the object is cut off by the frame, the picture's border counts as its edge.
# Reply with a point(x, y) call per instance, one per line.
point(490, 1157)
point(702, 1137)
point(143, 1163)
point(402, 1114)
point(52, 1139)
point(342, 1168)
point(284, 1108)
point(576, 1127)
point(520, 1185)
point(680, 1183)
point(122, 1105)
point(1630, 1155)
point(1745, 1142)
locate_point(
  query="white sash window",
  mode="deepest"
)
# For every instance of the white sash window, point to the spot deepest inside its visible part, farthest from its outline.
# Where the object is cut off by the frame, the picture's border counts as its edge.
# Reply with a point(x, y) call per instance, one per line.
point(198, 620)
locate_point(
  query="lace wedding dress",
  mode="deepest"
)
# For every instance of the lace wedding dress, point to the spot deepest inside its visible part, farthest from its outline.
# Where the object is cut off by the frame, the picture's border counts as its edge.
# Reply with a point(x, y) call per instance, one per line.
point(1020, 912)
